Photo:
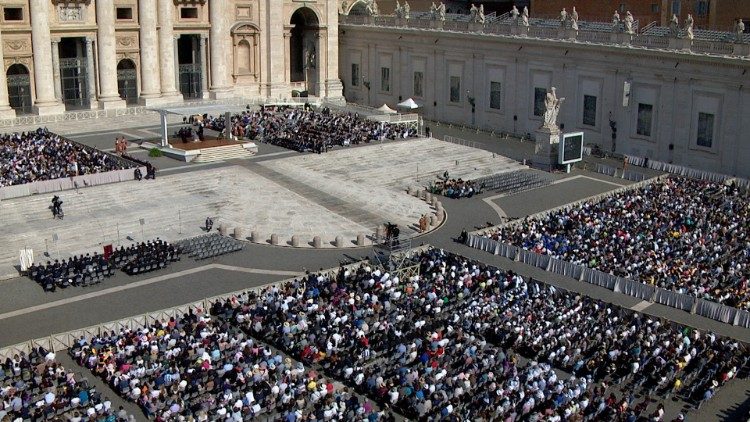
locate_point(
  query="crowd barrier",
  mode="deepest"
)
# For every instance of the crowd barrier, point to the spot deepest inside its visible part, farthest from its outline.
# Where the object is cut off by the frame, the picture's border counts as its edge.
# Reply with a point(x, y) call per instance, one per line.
point(55, 185)
point(686, 171)
point(688, 303)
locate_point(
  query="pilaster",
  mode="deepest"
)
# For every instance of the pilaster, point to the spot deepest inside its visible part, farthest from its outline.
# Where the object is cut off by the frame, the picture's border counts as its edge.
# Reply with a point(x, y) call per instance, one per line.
point(45, 102)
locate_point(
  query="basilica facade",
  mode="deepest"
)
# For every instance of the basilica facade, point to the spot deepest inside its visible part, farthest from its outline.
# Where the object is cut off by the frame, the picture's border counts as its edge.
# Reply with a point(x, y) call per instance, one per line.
point(62, 55)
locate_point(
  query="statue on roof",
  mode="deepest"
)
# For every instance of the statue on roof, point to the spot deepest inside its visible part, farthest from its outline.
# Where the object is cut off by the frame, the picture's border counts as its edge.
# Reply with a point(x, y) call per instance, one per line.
point(629, 22)
point(574, 19)
point(616, 24)
point(525, 16)
point(739, 30)
point(406, 10)
point(514, 14)
point(689, 26)
point(441, 12)
point(480, 15)
point(563, 17)
point(473, 13)
point(674, 26)
point(433, 11)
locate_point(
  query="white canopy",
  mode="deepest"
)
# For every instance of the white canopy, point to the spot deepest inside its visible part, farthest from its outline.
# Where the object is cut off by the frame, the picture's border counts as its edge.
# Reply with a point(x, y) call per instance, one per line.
point(385, 109)
point(409, 104)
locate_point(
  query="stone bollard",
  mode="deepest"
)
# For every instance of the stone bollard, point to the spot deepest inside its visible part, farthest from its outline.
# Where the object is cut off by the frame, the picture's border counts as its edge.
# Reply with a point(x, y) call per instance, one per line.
point(295, 241)
point(223, 230)
point(379, 233)
point(360, 239)
point(440, 213)
point(339, 242)
point(433, 221)
point(435, 201)
point(317, 243)
point(411, 191)
point(255, 236)
point(428, 197)
point(416, 191)
point(274, 239)
point(239, 233)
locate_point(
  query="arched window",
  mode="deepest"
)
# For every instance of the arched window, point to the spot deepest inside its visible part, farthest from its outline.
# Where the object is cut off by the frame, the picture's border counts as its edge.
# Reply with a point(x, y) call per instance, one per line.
point(19, 88)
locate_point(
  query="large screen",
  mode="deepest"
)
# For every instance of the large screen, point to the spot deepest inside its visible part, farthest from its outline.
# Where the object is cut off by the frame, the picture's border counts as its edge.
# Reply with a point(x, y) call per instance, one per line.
point(571, 148)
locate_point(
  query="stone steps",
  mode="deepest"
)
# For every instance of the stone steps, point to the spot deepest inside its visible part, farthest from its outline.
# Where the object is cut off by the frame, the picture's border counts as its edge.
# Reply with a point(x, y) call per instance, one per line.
point(223, 153)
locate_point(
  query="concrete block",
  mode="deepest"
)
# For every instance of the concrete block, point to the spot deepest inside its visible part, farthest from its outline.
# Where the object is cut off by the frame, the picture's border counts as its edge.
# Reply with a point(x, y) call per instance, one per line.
point(255, 236)
point(274, 239)
point(317, 243)
point(360, 239)
point(434, 221)
point(339, 242)
point(295, 241)
point(239, 233)
point(223, 230)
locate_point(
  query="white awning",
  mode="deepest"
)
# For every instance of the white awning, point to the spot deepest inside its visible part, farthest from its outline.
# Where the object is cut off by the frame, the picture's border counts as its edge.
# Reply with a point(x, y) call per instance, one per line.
point(385, 109)
point(409, 104)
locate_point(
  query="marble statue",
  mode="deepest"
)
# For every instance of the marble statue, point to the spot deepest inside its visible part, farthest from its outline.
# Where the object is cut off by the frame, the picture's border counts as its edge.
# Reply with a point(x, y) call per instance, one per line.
point(574, 19)
point(616, 22)
point(406, 10)
point(441, 12)
point(739, 30)
point(563, 17)
point(473, 13)
point(433, 11)
point(514, 14)
point(525, 16)
point(399, 11)
point(372, 8)
point(674, 26)
point(689, 26)
point(552, 109)
point(480, 15)
point(344, 7)
point(629, 22)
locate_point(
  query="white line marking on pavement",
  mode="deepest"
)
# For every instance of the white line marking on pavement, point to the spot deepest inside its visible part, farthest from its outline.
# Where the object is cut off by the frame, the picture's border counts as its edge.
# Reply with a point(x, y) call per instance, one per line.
point(149, 132)
point(500, 212)
point(640, 306)
point(131, 135)
point(581, 176)
point(92, 295)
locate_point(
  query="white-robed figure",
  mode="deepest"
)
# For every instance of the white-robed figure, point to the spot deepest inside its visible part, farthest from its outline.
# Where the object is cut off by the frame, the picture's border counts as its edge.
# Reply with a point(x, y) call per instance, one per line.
point(552, 108)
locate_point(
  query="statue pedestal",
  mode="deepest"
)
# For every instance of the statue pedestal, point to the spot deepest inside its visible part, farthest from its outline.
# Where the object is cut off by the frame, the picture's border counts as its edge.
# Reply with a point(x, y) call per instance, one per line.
point(680, 44)
point(402, 22)
point(741, 49)
point(436, 24)
point(546, 148)
point(567, 34)
point(622, 38)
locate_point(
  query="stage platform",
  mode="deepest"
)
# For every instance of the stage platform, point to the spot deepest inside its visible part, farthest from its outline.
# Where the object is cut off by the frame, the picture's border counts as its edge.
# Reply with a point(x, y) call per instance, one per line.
point(177, 143)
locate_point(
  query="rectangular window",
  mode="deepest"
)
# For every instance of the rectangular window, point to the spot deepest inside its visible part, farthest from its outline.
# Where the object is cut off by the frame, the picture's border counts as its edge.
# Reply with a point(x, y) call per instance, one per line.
point(701, 8)
point(13, 13)
point(355, 74)
point(705, 130)
point(747, 25)
point(589, 110)
point(189, 13)
point(418, 84)
point(455, 92)
point(124, 13)
point(645, 119)
point(496, 99)
point(676, 7)
point(540, 94)
point(654, 7)
point(385, 79)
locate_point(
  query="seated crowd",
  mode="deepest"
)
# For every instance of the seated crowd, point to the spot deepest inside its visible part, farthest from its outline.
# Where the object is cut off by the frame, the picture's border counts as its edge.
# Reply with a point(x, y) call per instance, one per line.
point(84, 270)
point(455, 188)
point(42, 155)
point(686, 235)
point(307, 129)
point(459, 342)
point(36, 387)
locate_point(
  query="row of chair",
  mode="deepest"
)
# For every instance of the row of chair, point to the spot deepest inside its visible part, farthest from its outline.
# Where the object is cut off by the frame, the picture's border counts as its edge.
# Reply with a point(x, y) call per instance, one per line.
point(513, 182)
point(209, 246)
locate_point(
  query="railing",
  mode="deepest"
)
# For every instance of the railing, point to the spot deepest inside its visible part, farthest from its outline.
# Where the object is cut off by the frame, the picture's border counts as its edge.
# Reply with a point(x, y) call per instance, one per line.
point(504, 26)
point(459, 141)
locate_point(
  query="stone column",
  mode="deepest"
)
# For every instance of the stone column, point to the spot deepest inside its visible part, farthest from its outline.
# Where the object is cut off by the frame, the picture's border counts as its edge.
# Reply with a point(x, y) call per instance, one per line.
point(106, 43)
point(287, 59)
point(91, 73)
point(45, 102)
point(167, 52)
point(177, 62)
point(150, 84)
point(56, 68)
point(220, 50)
point(5, 111)
point(333, 86)
point(277, 65)
point(204, 67)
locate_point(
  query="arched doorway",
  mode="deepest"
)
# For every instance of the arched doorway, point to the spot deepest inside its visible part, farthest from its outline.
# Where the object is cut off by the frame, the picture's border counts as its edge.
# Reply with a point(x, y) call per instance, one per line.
point(127, 81)
point(303, 49)
point(19, 88)
point(190, 70)
point(358, 9)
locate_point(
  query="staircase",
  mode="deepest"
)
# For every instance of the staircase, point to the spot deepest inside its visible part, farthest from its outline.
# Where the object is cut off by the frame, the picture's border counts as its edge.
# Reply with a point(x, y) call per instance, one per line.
point(223, 153)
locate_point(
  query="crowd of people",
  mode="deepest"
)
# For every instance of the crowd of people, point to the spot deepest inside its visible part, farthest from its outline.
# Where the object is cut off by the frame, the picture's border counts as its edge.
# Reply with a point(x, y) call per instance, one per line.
point(680, 234)
point(41, 155)
point(458, 342)
point(36, 387)
point(307, 129)
point(84, 270)
point(455, 188)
